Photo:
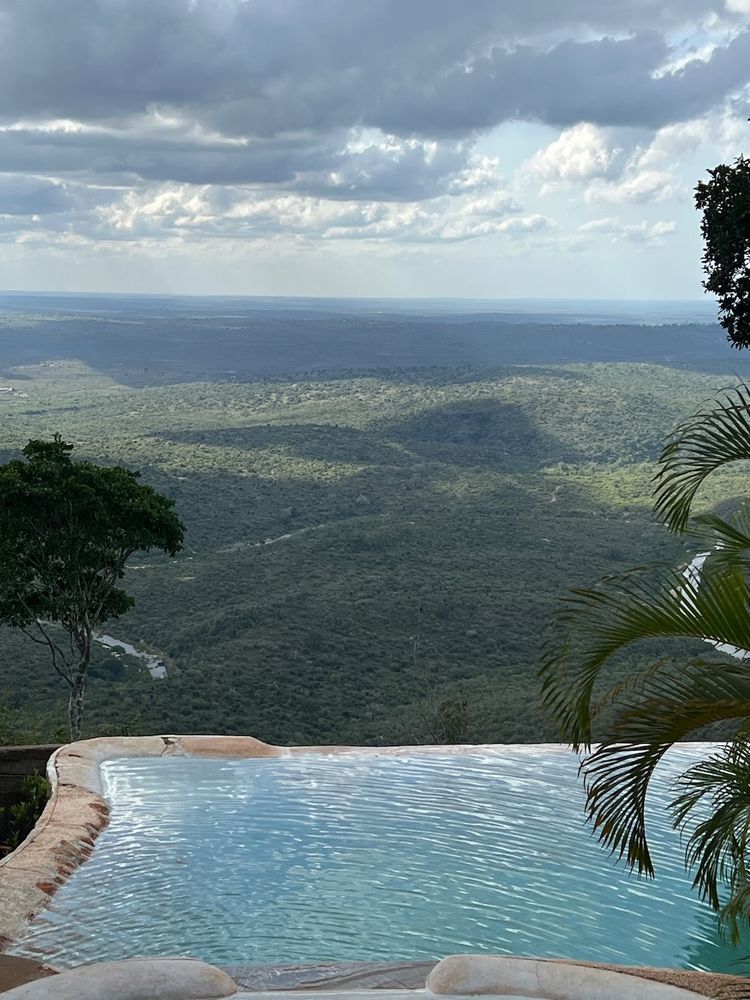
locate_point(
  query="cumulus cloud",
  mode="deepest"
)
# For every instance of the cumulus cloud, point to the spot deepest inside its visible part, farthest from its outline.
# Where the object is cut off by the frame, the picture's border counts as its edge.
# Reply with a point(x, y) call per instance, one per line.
point(585, 156)
point(727, 131)
point(191, 212)
point(578, 154)
point(637, 187)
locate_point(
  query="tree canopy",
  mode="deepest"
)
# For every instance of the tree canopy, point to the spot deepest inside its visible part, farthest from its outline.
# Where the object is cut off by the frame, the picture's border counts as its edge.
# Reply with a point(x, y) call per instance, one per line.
point(724, 201)
point(67, 530)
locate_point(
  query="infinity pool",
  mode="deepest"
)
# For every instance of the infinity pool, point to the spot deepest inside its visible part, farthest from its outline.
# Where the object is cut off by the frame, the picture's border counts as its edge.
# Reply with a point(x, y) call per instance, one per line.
point(358, 856)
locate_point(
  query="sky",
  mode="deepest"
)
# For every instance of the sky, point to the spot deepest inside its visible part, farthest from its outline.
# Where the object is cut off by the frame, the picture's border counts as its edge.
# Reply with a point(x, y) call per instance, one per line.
point(447, 148)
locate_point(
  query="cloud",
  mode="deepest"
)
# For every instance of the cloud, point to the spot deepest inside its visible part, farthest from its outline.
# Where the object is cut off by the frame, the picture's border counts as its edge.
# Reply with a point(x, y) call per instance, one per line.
point(636, 187)
point(526, 224)
point(355, 165)
point(727, 131)
point(580, 153)
point(22, 195)
point(193, 213)
point(190, 120)
point(242, 63)
point(587, 157)
point(225, 91)
point(637, 232)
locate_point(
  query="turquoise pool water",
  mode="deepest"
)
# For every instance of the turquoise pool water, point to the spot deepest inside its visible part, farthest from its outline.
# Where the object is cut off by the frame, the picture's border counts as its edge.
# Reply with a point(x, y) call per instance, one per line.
point(361, 857)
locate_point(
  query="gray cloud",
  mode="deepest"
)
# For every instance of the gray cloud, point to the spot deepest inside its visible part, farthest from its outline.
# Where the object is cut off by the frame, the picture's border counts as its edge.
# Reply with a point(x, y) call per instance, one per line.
point(229, 92)
point(21, 195)
point(274, 65)
point(326, 165)
point(143, 121)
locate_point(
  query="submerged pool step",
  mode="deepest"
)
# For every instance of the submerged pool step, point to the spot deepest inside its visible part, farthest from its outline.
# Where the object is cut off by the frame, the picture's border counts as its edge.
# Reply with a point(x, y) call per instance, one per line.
point(329, 976)
point(376, 994)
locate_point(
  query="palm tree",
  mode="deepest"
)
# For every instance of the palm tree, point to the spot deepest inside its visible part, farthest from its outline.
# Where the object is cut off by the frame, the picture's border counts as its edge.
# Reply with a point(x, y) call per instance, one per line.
point(674, 698)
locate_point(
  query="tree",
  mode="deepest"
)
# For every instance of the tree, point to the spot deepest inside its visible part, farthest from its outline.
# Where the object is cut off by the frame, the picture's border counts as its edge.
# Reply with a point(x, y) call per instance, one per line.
point(67, 530)
point(725, 203)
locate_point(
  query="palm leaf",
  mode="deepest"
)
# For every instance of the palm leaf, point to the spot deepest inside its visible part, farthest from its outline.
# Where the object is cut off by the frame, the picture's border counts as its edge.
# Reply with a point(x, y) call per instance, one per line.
point(720, 842)
point(667, 703)
point(698, 447)
point(674, 702)
point(727, 542)
point(594, 624)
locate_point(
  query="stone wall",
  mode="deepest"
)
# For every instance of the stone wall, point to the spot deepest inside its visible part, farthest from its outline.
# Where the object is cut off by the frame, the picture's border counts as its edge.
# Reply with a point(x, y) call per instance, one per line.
point(15, 764)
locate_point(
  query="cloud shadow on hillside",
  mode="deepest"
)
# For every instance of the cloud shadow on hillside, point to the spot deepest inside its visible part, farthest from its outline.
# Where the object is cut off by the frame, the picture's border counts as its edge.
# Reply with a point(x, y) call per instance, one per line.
point(477, 433)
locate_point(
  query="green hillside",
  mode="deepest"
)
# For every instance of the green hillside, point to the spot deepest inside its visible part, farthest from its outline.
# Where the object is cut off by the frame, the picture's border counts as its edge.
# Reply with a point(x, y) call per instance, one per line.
point(422, 523)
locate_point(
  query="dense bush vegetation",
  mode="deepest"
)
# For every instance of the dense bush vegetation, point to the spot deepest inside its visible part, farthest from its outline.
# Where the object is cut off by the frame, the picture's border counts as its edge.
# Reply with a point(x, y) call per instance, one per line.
point(454, 502)
point(18, 820)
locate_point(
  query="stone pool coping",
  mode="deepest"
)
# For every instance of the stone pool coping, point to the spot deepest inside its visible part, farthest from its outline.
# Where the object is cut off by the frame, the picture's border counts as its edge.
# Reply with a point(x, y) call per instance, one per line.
point(77, 812)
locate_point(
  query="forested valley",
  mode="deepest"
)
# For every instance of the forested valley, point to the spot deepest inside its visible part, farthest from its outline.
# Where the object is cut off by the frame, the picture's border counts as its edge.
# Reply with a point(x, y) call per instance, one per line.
point(383, 507)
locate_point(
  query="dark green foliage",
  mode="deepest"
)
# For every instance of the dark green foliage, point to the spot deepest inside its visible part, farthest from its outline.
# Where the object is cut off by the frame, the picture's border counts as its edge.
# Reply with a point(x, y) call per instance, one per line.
point(17, 821)
point(724, 201)
point(67, 530)
point(697, 448)
point(452, 721)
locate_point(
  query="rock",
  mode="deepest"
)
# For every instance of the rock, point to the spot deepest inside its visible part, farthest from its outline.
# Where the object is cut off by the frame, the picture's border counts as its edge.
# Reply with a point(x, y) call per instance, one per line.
point(133, 979)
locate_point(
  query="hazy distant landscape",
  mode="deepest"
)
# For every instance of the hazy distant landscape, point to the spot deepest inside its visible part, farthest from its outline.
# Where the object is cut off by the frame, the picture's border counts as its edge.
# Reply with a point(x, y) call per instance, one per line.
point(384, 499)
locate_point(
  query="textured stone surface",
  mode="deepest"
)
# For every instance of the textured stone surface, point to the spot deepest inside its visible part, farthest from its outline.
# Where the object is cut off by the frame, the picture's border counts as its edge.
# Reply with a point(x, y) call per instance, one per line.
point(134, 979)
point(716, 985)
point(227, 746)
point(342, 994)
point(491, 975)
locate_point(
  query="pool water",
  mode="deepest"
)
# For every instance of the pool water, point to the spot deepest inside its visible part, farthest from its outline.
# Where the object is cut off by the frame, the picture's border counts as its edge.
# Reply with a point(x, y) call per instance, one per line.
point(314, 858)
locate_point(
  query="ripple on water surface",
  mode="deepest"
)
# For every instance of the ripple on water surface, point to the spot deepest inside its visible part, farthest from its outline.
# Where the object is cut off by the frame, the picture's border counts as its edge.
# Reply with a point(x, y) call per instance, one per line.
point(362, 857)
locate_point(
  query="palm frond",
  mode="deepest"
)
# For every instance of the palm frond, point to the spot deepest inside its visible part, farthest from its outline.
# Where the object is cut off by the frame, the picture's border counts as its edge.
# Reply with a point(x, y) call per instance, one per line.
point(593, 624)
point(726, 541)
point(698, 447)
point(673, 703)
point(719, 844)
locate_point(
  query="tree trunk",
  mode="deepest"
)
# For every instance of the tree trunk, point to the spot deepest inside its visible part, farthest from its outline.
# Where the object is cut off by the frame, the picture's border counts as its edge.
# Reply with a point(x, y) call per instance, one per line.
point(75, 707)
point(77, 691)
